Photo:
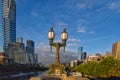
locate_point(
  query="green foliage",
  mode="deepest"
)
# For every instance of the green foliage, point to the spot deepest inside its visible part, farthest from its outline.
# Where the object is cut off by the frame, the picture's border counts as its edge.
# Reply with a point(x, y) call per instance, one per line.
point(106, 68)
point(115, 70)
point(86, 68)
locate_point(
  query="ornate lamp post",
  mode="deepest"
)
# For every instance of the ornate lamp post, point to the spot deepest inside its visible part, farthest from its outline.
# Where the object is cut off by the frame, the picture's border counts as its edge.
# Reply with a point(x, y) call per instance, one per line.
point(57, 68)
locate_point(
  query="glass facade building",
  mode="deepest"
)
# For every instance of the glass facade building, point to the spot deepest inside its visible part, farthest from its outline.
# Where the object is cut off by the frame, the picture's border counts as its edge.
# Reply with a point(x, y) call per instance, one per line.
point(8, 22)
point(30, 47)
point(80, 51)
point(84, 56)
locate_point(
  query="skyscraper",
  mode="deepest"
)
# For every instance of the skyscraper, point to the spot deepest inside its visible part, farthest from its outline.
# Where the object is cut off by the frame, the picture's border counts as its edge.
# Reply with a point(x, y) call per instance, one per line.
point(116, 50)
point(30, 50)
point(80, 50)
point(84, 56)
point(8, 22)
point(30, 47)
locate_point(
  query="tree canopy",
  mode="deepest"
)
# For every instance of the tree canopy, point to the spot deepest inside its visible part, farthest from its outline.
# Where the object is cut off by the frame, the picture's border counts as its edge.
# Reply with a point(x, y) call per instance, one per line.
point(107, 67)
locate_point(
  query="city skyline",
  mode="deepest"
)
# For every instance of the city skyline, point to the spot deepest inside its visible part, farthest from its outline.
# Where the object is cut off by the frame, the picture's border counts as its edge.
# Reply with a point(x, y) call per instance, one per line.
point(92, 24)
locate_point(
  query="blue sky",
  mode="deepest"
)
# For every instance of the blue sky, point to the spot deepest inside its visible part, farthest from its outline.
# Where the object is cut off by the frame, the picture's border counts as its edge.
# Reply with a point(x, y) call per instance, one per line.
point(93, 24)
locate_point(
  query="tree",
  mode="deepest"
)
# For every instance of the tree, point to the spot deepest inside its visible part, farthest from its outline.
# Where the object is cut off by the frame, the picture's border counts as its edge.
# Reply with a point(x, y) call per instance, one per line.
point(105, 68)
point(86, 68)
point(115, 71)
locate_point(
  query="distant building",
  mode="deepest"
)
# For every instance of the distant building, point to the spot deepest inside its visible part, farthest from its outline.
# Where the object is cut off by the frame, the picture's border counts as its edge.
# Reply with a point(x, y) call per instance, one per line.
point(81, 55)
point(72, 64)
point(16, 53)
point(80, 51)
point(20, 39)
point(18, 45)
point(93, 58)
point(30, 47)
point(31, 58)
point(100, 57)
point(116, 50)
point(84, 56)
point(21, 57)
point(35, 60)
point(75, 63)
point(8, 22)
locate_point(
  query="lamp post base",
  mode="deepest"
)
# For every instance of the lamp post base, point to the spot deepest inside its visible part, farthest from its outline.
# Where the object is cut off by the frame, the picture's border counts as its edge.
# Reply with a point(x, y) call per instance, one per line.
point(56, 70)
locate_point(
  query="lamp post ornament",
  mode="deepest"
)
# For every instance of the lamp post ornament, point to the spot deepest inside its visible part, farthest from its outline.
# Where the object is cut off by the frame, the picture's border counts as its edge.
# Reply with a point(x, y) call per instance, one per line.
point(57, 66)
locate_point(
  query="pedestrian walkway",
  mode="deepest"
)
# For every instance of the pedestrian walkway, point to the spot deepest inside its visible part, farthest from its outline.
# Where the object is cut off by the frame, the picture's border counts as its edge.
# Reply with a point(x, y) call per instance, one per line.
point(59, 78)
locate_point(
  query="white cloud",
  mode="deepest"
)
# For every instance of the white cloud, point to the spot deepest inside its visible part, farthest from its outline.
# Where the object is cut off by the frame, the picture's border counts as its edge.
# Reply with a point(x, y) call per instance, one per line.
point(81, 29)
point(81, 21)
point(33, 13)
point(72, 44)
point(74, 40)
point(92, 32)
point(86, 4)
point(81, 25)
point(102, 38)
point(61, 24)
point(43, 46)
point(80, 4)
point(115, 6)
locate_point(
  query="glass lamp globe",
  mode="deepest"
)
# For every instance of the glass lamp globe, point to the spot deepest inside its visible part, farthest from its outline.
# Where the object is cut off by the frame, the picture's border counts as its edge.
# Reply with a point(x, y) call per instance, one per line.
point(51, 33)
point(64, 35)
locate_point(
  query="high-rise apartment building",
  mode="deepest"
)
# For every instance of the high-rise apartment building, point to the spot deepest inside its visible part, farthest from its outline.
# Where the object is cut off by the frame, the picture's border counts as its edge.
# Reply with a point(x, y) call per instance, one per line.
point(116, 50)
point(8, 22)
point(80, 50)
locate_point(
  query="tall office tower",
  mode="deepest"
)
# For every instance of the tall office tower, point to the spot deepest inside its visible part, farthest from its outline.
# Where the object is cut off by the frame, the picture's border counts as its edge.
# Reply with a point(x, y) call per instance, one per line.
point(20, 39)
point(84, 56)
point(116, 50)
point(30, 47)
point(8, 22)
point(80, 50)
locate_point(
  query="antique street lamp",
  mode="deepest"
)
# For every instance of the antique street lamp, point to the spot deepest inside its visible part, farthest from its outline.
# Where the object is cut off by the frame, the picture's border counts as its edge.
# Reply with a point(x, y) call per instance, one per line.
point(64, 37)
point(57, 66)
point(51, 35)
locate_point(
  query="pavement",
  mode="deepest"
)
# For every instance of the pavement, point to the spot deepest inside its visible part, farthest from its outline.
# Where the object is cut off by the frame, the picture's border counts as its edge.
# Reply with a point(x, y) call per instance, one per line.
point(42, 76)
point(59, 78)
